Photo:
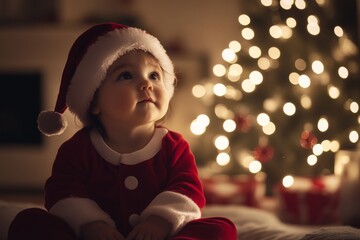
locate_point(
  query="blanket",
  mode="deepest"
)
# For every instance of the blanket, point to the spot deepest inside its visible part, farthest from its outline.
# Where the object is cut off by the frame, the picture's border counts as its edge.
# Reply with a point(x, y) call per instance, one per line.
point(251, 224)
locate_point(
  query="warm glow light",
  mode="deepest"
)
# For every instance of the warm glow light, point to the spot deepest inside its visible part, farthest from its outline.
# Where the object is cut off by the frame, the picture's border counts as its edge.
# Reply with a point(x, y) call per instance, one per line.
point(229, 55)
point(289, 109)
point(256, 77)
point(254, 52)
point(198, 91)
point(247, 33)
point(300, 4)
point(326, 145)
point(255, 166)
point(264, 63)
point(248, 86)
point(300, 64)
point(294, 78)
point(354, 136)
point(219, 70)
point(313, 25)
point(288, 181)
point(266, 3)
point(286, 4)
point(221, 142)
point(203, 119)
point(233, 93)
point(274, 52)
point(229, 125)
point(219, 89)
point(354, 107)
point(317, 149)
point(269, 128)
point(335, 146)
point(286, 32)
point(222, 112)
point(317, 67)
point(312, 160)
point(343, 72)
point(291, 22)
point(323, 124)
point(270, 105)
point(235, 71)
point(275, 31)
point(333, 91)
point(304, 81)
point(222, 159)
point(305, 102)
point(338, 31)
point(244, 19)
point(235, 46)
point(198, 126)
point(263, 119)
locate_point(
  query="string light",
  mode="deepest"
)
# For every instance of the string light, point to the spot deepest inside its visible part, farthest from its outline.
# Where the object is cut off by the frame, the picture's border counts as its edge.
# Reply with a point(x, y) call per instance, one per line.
point(221, 142)
point(223, 159)
point(312, 160)
point(229, 125)
point(255, 166)
point(354, 136)
point(317, 67)
point(198, 91)
point(219, 70)
point(248, 68)
point(304, 81)
point(323, 124)
point(244, 19)
point(289, 109)
point(343, 72)
point(288, 181)
point(248, 33)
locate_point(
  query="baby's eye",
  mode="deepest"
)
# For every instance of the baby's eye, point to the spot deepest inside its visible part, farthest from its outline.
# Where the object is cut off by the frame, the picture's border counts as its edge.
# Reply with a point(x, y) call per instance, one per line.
point(155, 76)
point(125, 76)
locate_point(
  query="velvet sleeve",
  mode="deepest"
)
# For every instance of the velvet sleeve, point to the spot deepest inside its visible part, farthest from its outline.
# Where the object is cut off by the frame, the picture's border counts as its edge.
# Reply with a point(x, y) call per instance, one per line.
point(182, 199)
point(66, 194)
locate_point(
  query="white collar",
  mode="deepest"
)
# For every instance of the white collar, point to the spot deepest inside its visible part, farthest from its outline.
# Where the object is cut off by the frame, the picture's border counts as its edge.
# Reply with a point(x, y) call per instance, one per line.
point(132, 158)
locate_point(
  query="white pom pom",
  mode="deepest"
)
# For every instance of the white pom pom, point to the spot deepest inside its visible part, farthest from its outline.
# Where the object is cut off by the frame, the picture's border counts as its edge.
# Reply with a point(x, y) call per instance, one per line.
point(51, 123)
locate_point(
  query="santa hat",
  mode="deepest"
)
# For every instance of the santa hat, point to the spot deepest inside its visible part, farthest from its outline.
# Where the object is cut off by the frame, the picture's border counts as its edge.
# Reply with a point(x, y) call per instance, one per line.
point(89, 58)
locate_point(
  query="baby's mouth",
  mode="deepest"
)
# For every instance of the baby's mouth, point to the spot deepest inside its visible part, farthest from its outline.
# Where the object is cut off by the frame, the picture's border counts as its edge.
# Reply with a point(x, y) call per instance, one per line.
point(146, 100)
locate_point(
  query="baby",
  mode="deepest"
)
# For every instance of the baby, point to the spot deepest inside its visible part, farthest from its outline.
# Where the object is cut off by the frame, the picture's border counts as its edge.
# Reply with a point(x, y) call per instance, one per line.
point(123, 175)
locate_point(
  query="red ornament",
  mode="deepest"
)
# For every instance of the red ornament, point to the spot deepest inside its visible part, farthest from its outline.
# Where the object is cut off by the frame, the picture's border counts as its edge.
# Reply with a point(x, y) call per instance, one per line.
point(263, 153)
point(307, 139)
point(243, 123)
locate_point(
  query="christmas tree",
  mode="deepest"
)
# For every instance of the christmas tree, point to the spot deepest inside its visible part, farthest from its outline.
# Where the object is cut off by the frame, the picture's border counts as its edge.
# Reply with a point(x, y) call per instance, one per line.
point(286, 97)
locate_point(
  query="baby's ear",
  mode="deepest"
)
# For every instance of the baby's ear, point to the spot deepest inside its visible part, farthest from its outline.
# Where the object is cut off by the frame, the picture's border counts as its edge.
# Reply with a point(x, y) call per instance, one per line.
point(94, 109)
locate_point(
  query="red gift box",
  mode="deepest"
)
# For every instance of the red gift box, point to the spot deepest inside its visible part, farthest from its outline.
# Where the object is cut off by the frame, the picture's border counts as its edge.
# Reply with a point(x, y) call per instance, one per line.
point(240, 189)
point(313, 201)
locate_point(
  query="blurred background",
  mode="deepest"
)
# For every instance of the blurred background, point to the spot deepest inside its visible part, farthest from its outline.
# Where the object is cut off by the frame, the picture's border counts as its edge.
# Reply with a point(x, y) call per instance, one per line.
point(264, 86)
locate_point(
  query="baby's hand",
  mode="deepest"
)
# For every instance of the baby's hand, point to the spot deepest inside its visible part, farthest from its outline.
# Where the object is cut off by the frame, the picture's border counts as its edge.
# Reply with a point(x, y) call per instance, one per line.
point(100, 230)
point(154, 227)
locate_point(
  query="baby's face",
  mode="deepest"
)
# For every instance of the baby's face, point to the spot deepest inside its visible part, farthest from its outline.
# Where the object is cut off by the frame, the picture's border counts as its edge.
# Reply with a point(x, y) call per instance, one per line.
point(132, 93)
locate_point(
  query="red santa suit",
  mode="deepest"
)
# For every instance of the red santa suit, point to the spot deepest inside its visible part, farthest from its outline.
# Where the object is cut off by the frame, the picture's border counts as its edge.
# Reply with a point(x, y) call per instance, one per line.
point(90, 182)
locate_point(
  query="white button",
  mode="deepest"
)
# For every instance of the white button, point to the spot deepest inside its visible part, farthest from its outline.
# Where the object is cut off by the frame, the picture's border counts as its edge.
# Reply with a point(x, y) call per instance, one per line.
point(134, 219)
point(131, 183)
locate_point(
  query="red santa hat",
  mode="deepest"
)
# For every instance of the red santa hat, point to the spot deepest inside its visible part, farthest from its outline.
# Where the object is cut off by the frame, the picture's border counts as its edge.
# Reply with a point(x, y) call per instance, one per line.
point(89, 58)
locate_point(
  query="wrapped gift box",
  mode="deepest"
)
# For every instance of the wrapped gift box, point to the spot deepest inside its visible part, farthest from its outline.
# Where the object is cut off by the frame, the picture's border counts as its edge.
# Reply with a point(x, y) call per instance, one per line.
point(245, 189)
point(312, 201)
point(347, 167)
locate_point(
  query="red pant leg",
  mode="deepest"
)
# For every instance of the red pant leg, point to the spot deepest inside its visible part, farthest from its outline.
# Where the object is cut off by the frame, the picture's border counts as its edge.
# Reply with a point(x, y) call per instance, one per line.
point(36, 223)
point(215, 228)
